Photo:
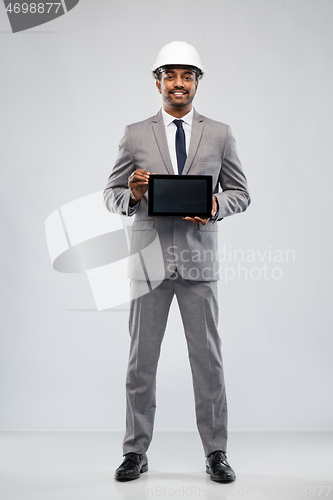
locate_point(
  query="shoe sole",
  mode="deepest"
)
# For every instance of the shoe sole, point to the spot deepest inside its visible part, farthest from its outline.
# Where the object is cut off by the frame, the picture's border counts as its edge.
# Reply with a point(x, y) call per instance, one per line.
point(144, 468)
point(217, 479)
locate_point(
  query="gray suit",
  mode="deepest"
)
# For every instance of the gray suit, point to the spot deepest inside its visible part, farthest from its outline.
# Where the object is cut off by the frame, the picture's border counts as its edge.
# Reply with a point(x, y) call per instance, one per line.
point(188, 270)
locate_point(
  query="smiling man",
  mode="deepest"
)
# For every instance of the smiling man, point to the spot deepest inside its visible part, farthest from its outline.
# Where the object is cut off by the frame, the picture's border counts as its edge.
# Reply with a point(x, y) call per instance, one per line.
point(180, 141)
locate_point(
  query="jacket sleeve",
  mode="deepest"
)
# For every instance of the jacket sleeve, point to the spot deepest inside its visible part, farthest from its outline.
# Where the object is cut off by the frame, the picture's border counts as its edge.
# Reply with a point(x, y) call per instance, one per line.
point(117, 192)
point(234, 197)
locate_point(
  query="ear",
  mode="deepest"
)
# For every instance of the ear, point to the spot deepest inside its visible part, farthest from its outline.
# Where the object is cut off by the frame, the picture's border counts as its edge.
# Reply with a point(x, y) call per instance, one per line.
point(158, 85)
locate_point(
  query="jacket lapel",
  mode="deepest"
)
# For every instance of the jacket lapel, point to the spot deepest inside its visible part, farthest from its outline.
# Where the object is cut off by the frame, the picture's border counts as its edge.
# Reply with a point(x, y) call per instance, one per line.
point(160, 136)
point(196, 133)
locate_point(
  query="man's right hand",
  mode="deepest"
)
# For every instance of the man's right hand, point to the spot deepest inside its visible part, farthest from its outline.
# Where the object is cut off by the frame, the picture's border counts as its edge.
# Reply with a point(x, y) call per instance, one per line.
point(138, 184)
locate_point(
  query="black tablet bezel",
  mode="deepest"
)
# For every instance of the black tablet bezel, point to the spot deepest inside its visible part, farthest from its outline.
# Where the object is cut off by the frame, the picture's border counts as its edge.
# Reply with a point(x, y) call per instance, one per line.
point(180, 178)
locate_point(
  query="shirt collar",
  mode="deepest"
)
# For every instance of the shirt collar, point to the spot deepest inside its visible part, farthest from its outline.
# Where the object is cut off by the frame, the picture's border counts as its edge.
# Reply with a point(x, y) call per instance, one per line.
point(169, 119)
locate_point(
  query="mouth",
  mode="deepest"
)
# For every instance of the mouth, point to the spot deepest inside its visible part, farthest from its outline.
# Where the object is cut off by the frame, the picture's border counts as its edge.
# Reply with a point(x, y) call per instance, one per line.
point(178, 92)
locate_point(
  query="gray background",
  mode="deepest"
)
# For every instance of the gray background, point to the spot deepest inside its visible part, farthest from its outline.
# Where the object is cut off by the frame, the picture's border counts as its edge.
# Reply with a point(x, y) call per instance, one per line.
point(68, 88)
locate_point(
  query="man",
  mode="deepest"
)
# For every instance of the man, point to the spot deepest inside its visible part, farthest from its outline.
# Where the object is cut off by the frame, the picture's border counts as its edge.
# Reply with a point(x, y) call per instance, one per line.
point(176, 141)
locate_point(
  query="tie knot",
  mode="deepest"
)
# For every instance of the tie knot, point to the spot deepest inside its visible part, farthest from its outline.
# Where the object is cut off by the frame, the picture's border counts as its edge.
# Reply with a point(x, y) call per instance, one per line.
point(179, 123)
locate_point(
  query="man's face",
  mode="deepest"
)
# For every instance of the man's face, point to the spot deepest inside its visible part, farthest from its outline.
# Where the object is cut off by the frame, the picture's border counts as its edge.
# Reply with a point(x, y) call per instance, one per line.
point(178, 87)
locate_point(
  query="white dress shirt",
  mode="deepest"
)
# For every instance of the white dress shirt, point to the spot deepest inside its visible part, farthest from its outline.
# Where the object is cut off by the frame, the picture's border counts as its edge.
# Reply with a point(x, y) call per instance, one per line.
point(171, 129)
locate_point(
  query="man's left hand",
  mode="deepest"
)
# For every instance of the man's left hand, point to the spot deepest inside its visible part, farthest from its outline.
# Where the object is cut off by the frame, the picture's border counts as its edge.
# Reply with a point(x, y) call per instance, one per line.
point(198, 220)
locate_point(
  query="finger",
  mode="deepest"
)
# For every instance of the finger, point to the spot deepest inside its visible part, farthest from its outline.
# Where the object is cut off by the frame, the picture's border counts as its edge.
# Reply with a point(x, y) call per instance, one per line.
point(135, 185)
point(201, 221)
point(190, 219)
point(138, 179)
point(140, 173)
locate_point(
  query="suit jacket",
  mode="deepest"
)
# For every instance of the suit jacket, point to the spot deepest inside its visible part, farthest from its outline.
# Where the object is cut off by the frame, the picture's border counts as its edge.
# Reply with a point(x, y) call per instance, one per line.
point(189, 247)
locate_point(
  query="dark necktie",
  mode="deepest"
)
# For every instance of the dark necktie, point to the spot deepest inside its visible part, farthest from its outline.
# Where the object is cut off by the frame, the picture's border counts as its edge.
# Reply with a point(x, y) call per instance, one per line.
point(180, 145)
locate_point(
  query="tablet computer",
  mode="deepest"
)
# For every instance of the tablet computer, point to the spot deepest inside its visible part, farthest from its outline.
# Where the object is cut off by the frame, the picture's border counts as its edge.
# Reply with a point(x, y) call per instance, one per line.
point(184, 195)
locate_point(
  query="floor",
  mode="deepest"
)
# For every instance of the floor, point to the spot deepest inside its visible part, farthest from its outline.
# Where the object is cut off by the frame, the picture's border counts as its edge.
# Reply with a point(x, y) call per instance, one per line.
point(80, 466)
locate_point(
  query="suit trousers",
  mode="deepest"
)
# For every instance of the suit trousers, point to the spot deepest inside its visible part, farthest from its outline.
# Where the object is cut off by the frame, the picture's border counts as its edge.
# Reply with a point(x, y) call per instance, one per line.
point(198, 304)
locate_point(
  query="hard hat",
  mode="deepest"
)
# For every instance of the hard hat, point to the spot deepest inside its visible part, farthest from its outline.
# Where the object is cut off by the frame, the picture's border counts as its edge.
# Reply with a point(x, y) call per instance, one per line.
point(178, 54)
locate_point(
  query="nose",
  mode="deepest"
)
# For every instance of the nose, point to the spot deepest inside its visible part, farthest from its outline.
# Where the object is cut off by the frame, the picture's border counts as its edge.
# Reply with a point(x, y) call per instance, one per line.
point(178, 81)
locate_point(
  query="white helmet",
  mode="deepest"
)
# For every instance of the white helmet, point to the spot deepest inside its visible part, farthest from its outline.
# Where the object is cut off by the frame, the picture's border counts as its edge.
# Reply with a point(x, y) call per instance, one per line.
point(178, 54)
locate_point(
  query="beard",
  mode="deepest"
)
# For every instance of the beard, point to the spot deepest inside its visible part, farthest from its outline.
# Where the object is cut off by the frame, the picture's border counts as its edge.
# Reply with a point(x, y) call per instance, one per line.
point(178, 103)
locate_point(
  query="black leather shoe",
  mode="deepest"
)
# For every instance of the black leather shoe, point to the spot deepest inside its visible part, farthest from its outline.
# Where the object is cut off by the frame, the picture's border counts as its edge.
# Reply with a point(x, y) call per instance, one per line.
point(132, 466)
point(218, 467)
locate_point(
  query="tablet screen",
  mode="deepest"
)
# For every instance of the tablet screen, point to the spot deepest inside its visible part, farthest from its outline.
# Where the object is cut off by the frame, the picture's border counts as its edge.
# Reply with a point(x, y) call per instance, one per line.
point(183, 195)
